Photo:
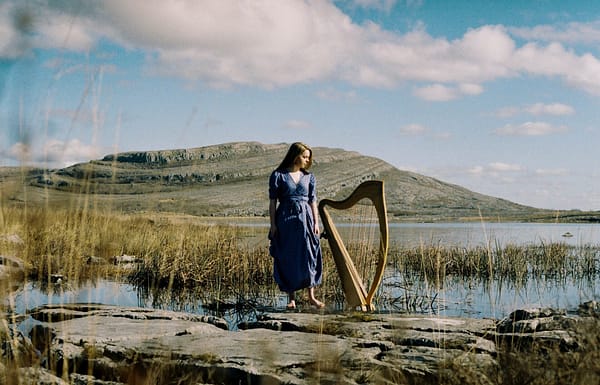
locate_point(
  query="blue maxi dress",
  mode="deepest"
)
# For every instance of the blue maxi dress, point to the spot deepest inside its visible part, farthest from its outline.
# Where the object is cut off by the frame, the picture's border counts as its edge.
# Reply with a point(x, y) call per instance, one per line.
point(296, 250)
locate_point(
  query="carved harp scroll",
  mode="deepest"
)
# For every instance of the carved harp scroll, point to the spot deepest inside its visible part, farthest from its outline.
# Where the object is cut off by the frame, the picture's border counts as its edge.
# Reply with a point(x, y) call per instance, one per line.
point(354, 289)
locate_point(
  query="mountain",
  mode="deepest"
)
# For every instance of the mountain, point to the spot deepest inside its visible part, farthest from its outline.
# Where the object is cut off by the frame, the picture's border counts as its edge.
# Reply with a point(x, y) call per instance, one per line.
point(231, 180)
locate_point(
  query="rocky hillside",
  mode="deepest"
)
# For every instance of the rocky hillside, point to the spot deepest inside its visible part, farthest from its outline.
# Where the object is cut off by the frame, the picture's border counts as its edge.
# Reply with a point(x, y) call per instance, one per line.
point(231, 180)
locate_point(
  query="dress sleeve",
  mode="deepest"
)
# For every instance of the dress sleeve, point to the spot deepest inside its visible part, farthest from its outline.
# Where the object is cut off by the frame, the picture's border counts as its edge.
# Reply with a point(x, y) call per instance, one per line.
point(312, 189)
point(274, 181)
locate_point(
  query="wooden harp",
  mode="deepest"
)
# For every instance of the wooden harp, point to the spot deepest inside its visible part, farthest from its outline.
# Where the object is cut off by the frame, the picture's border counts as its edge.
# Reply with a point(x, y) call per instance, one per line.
point(357, 295)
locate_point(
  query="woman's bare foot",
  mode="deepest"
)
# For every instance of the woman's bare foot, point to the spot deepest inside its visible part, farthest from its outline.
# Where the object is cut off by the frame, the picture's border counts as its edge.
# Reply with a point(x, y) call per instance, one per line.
point(316, 303)
point(313, 300)
point(291, 305)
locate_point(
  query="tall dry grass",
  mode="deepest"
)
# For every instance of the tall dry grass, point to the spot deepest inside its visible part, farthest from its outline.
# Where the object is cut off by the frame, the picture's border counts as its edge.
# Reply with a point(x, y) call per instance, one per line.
point(514, 263)
point(172, 253)
point(176, 253)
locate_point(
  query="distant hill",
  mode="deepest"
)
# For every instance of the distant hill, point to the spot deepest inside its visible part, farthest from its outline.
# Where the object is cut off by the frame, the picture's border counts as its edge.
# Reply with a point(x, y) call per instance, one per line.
point(231, 180)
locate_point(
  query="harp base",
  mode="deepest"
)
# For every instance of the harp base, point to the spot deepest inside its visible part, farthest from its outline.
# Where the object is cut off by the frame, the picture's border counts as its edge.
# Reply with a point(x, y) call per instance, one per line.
point(365, 308)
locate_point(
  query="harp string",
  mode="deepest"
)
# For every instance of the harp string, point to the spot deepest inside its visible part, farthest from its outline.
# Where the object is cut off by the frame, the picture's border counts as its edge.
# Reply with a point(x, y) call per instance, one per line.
point(358, 227)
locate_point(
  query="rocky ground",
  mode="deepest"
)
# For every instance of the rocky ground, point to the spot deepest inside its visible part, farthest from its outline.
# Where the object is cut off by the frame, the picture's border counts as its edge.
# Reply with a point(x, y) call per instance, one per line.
point(97, 344)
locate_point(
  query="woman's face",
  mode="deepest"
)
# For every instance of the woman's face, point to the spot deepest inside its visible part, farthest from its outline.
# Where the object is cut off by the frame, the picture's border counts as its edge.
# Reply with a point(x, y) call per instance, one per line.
point(303, 159)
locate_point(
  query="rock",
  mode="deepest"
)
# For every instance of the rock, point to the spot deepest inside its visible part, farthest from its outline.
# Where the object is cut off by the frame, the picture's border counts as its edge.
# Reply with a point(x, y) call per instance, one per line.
point(38, 376)
point(16, 348)
point(82, 379)
point(93, 260)
point(294, 348)
point(63, 312)
point(540, 326)
point(125, 259)
point(12, 238)
point(107, 345)
point(589, 308)
point(11, 268)
point(534, 313)
point(126, 262)
point(57, 278)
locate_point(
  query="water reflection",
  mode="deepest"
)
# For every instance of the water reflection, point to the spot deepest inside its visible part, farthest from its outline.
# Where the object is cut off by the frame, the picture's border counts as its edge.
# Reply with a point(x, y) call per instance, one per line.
point(490, 299)
point(457, 297)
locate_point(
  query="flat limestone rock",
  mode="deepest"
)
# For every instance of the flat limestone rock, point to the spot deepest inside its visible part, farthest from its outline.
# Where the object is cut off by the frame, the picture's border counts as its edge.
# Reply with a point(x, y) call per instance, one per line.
point(132, 345)
point(64, 312)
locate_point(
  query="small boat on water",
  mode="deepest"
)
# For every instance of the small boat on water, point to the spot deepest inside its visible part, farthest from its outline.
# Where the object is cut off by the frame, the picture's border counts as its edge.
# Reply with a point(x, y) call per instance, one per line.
point(567, 235)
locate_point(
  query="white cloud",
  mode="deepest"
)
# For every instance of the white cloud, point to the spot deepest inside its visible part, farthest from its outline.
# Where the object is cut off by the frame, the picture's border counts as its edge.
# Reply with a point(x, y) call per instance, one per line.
point(436, 93)
point(417, 56)
point(419, 130)
point(495, 169)
point(537, 109)
point(53, 153)
point(66, 153)
point(552, 172)
point(384, 5)
point(62, 31)
point(268, 43)
point(274, 43)
point(470, 88)
point(581, 72)
point(332, 94)
point(530, 129)
point(476, 170)
point(507, 112)
point(587, 33)
point(440, 92)
point(504, 167)
point(497, 173)
point(441, 135)
point(38, 25)
point(13, 43)
point(550, 109)
point(297, 124)
point(413, 130)
point(19, 152)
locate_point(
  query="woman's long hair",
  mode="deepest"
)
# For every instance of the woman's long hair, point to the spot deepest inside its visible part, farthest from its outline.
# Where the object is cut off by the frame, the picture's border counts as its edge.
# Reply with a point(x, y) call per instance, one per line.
point(295, 150)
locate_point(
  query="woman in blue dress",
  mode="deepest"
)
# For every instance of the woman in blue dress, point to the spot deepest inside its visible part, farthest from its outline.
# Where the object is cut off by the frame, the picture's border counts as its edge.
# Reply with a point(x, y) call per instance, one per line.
point(294, 232)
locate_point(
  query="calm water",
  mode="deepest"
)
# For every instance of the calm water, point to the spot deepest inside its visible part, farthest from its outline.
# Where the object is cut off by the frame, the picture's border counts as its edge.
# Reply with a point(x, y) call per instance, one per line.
point(456, 298)
point(474, 234)
point(497, 299)
point(459, 234)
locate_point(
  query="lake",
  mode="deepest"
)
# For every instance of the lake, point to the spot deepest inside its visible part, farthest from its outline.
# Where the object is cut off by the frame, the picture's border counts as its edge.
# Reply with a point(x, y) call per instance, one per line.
point(457, 234)
point(457, 298)
point(497, 299)
point(483, 233)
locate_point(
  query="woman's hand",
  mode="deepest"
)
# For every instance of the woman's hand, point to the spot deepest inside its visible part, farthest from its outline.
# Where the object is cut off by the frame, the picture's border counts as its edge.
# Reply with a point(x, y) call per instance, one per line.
point(272, 232)
point(317, 230)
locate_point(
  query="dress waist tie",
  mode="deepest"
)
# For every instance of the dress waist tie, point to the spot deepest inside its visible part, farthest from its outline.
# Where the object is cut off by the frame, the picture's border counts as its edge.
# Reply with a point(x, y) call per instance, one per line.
point(294, 206)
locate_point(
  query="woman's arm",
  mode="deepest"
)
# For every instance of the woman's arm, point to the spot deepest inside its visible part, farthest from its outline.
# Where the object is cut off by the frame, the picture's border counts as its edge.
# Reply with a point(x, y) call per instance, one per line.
point(315, 212)
point(272, 210)
point(312, 200)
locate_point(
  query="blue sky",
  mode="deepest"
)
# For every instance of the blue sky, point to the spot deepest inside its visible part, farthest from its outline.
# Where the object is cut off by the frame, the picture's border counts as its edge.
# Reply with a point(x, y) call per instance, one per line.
point(501, 97)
